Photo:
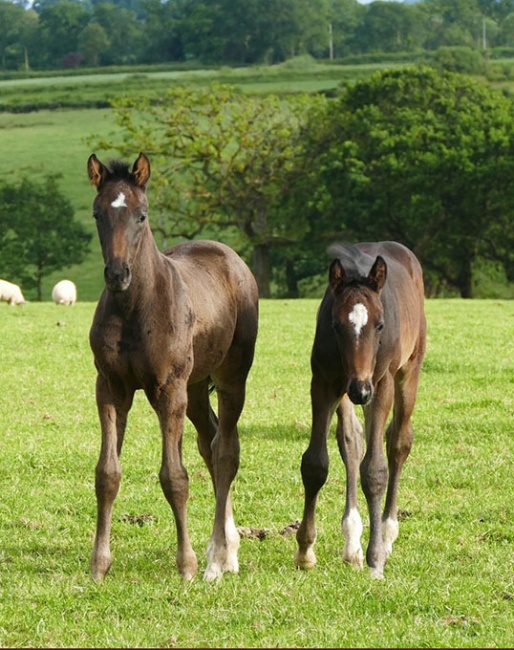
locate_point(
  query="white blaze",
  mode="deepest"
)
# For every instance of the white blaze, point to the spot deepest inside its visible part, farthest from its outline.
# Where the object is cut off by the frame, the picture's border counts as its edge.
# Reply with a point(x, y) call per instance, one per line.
point(358, 317)
point(119, 201)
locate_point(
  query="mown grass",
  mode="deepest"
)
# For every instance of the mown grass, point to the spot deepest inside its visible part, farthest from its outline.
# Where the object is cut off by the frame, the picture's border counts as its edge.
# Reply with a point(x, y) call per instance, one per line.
point(98, 89)
point(449, 582)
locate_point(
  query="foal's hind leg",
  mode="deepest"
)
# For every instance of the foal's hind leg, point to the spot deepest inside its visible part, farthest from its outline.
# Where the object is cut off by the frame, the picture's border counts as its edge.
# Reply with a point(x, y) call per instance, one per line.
point(224, 542)
point(349, 440)
point(205, 421)
point(112, 411)
point(399, 443)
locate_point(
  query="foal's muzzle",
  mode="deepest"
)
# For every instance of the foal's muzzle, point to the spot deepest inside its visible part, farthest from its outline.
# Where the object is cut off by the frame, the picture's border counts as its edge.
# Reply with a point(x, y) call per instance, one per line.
point(360, 392)
point(117, 275)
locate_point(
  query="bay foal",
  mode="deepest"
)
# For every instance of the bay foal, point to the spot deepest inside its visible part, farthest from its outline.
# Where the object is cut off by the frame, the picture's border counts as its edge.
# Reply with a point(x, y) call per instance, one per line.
point(368, 349)
point(169, 324)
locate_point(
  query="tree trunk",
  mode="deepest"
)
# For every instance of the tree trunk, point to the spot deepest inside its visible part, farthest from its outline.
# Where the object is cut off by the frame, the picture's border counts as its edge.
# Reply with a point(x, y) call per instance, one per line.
point(291, 281)
point(261, 269)
point(465, 279)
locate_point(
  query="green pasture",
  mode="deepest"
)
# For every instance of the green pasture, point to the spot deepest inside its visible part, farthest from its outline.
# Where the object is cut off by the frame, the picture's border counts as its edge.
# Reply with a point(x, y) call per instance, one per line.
point(44, 142)
point(449, 582)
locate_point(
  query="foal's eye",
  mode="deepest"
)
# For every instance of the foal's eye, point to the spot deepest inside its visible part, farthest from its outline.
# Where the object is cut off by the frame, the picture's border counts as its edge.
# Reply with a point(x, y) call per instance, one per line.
point(380, 327)
point(141, 218)
point(95, 216)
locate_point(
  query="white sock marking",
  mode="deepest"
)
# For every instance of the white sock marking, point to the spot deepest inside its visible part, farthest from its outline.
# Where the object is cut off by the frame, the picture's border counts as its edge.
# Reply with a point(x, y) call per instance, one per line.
point(119, 201)
point(359, 317)
point(390, 530)
point(352, 531)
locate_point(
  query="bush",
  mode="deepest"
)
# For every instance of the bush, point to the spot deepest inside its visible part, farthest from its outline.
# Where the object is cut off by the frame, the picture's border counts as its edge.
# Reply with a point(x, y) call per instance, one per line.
point(460, 59)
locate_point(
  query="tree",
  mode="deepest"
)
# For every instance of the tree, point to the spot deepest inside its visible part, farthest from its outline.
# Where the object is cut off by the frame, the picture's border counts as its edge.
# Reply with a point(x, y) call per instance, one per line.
point(16, 34)
point(60, 26)
point(124, 33)
point(38, 234)
point(92, 42)
point(389, 27)
point(425, 158)
point(161, 39)
point(224, 163)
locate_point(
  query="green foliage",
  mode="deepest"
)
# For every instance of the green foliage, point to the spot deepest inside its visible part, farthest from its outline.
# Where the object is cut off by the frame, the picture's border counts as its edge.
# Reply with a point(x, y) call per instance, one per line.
point(38, 140)
point(222, 159)
point(424, 158)
point(56, 33)
point(460, 59)
point(449, 582)
point(38, 234)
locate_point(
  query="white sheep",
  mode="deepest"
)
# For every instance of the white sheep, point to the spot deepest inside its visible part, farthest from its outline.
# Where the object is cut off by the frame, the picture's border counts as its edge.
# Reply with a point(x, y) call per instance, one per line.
point(11, 293)
point(64, 293)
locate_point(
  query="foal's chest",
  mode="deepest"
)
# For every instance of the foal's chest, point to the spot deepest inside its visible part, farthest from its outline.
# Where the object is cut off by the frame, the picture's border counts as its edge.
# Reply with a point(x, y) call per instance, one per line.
point(142, 350)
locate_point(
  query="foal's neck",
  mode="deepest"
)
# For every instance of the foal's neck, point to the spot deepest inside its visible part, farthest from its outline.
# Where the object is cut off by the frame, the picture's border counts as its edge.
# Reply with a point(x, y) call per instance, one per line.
point(150, 276)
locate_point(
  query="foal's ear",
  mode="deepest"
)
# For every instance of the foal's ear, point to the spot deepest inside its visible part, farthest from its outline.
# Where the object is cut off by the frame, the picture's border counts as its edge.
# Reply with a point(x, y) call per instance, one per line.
point(96, 170)
point(336, 276)
point(141, 170)
point(378, 274)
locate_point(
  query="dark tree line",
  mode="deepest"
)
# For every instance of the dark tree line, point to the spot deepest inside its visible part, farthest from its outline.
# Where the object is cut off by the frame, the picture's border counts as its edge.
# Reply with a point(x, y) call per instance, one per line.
point(59, 33)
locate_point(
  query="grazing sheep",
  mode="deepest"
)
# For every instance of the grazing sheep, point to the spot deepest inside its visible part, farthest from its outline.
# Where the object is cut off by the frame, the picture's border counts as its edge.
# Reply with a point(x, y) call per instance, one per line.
point(11, 293)
point(64, 293)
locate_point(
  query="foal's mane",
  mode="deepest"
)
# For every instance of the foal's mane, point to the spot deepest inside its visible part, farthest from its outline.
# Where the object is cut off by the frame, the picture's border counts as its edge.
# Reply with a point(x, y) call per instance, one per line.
point(356, 263)
point(119, 170)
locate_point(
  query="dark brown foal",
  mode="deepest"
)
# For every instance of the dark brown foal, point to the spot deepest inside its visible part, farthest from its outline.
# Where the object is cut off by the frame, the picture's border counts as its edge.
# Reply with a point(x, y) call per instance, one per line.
point(171, 324)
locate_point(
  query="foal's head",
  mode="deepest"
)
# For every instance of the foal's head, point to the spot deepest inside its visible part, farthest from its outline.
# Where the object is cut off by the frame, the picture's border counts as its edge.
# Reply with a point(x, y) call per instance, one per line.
point(120, 209)
point(358, 321)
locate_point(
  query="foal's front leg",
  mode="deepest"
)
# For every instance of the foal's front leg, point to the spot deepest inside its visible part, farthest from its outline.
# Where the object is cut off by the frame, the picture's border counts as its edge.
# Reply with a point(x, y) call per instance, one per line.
point(373, 471)
point(170, 403)
point(349, 440)
point(113, 407)
point(314, 469)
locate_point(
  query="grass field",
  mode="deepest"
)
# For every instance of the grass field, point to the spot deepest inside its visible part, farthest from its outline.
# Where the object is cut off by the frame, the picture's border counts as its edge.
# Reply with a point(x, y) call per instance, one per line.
point(449, 582)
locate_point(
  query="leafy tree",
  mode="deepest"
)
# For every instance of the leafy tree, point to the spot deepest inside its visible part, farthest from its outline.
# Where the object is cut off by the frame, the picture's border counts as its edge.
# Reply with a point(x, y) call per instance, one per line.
point(343, 18)
point(455, 22)
point(16, 34)
point(234, 32)
point(161, 37)
point(92, 42)
point(38, 234)
point(388, 27)
point(425, 158)
point(60, 26)
point(223, 162)
point(123, 30)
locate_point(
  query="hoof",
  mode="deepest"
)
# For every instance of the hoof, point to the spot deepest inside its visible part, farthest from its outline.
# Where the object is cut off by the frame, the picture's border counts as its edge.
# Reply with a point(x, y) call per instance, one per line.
point(187, 565)
point(187, 574)
point(100, 567)
point(215, 571)
point(376, 573)
point(305, 560)
point(354, 557)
